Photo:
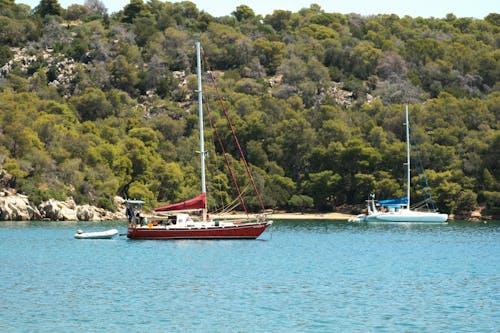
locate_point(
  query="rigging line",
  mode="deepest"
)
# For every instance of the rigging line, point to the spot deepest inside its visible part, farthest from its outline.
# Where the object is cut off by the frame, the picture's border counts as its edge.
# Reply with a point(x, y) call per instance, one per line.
point(230, 208)
point(232, 205)
point(420, 170)
point(419, 204)
point(226, 113)
point(228, 163)
point(220, 199)
point(425, 189)
point(227, 208)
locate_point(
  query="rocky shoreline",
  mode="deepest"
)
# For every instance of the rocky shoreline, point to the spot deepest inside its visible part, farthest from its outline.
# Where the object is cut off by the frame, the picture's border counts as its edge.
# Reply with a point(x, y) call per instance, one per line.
point(17, 207)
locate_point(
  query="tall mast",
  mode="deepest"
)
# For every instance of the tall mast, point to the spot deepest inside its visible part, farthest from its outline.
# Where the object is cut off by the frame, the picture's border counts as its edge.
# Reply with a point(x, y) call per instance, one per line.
point(200, 116)
point(407, 156)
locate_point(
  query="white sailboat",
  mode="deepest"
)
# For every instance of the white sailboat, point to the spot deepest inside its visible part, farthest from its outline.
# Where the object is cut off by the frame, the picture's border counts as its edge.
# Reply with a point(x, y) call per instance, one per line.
point(398, 210)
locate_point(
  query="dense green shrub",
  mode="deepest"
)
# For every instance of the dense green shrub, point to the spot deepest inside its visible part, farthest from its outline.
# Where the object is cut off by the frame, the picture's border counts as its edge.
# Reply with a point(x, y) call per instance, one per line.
point(99, 103)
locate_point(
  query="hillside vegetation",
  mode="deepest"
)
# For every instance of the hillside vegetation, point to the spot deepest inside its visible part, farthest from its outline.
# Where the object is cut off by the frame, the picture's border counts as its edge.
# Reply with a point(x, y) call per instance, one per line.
point(94, 105)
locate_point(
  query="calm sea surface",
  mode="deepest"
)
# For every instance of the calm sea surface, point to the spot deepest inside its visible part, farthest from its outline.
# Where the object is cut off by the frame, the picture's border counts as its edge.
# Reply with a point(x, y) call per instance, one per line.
point(304, 276)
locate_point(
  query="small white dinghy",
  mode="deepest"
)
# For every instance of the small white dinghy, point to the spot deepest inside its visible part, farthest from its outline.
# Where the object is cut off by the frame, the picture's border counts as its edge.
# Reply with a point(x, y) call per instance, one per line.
point(107, 234)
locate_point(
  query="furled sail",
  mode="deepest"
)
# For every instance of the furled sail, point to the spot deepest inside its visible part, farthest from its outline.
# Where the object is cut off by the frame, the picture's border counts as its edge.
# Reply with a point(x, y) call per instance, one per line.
point(198, 202)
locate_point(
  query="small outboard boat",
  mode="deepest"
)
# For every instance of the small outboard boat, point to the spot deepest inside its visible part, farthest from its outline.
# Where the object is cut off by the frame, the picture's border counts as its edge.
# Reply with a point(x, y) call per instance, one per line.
point(107, 234)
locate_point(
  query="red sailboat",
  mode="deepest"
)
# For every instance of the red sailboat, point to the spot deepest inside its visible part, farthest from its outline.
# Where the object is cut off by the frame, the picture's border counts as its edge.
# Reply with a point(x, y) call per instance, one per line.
point(189, 219)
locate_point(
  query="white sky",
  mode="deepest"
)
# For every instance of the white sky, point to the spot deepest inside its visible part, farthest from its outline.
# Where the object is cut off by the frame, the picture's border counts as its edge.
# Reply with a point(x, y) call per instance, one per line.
point(413, 8)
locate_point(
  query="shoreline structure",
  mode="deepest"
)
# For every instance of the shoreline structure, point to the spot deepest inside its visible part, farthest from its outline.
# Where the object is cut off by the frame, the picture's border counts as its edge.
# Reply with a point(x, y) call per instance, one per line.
point(18, 207)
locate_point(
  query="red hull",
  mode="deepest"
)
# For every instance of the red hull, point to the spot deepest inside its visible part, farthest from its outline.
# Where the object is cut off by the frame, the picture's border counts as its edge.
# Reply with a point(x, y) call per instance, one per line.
point(242, 231)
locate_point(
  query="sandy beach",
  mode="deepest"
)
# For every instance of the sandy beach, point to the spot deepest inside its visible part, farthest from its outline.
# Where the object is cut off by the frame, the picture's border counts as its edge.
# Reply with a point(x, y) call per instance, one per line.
point(288, 216)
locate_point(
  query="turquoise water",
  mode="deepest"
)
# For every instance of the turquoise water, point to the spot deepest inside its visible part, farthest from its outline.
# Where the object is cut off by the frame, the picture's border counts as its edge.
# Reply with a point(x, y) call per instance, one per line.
point(304, 276)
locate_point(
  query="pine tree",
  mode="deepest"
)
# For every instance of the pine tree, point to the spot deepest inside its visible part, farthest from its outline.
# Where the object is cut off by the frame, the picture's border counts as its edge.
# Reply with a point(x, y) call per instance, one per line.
point(49, 7)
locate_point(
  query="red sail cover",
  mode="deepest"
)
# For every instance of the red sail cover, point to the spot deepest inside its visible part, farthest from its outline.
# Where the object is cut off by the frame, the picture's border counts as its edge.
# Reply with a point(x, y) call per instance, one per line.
point(196, 203)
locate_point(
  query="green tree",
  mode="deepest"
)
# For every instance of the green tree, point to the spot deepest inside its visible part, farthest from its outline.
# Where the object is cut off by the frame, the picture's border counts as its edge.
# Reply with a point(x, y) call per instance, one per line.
point(92, 105)
point(140, 190)
point(324, 187)
point(132, 10)
point(423, 50)
point(77, 12)
point(492, 200)
point(466, 202)
point(490, 155)
point(48, 7)
point(147, 135)
point(295, 140)
point(5, 54)
point(243, 13)
point(145, 29)
point(123, 74)
point(357, 163)
point(444, 190)
point(12, 32)
point(279, 19)
point(278, 191)
point(175, 44)
point(319, 32)
point(300, 202)
point(270, 54)
point(228, 48)
point(364, 58)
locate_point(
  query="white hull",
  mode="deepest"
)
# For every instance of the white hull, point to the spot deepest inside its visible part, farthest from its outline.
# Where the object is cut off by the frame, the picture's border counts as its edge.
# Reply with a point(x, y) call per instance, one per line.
point(97, 235)
point(404, 216)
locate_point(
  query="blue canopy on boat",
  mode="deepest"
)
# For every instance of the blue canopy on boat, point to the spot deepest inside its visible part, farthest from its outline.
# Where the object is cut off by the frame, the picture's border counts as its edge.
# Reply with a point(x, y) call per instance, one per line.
point(394, 202)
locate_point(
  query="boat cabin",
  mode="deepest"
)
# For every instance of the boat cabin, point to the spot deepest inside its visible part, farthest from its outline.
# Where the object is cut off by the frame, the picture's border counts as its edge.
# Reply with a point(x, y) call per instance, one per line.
point(180, 220)
point(391, 208)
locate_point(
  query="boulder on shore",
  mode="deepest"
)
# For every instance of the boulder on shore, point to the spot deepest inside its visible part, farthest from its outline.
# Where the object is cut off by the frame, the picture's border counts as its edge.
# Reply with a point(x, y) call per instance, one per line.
point(58, 210)
point(16, 207)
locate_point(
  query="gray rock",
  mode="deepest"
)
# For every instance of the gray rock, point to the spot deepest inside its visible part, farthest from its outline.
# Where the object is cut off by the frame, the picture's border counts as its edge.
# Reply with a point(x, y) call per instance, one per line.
point(16, 207)
point(85, 213)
